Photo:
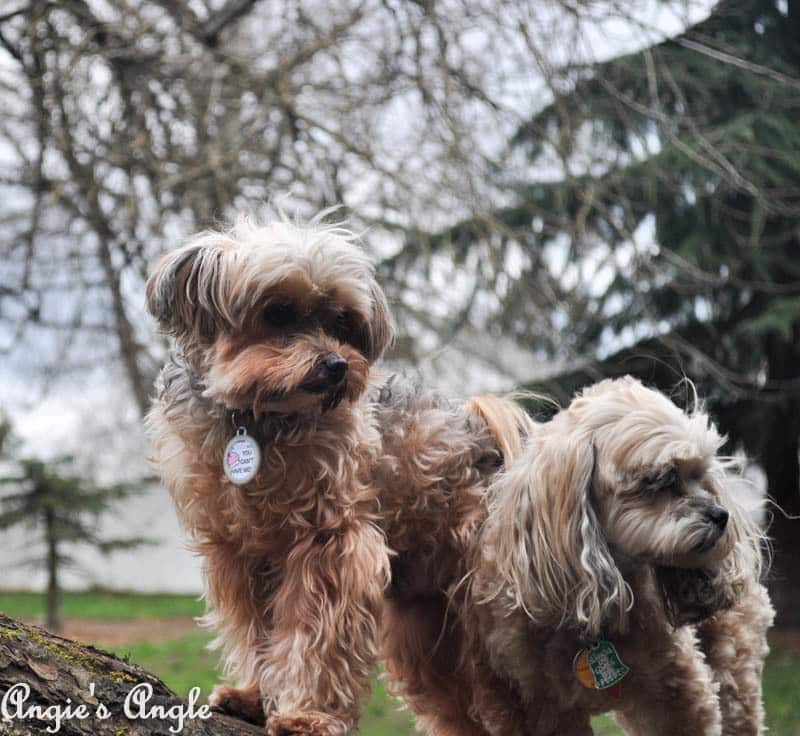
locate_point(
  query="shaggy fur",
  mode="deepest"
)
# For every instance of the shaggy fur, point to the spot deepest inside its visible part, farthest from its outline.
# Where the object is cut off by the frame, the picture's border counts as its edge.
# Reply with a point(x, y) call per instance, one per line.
point(615, 523)
point(600, 528)
point(437, 459)
point(295, 561)
point(353, 474)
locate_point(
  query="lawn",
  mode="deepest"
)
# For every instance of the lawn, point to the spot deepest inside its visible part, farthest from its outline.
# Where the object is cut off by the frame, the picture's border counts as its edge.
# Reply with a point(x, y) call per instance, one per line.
point(101, 604)
point(184, 662)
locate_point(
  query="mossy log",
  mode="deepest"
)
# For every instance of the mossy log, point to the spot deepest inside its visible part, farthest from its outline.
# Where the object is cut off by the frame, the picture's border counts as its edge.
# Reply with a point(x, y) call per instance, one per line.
point(42, 674)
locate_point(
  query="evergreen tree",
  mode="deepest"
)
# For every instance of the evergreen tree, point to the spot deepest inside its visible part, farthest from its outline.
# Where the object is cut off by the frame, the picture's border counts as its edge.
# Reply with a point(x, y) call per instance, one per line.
point(678, 206)
point(64, 508)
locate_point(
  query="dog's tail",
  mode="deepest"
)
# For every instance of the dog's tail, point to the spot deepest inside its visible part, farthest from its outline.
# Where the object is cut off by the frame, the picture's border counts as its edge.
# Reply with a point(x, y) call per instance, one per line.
point(507, 421)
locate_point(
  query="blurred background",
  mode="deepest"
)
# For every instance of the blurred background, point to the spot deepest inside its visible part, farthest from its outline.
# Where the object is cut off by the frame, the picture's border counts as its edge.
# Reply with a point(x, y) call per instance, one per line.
point(554, 191)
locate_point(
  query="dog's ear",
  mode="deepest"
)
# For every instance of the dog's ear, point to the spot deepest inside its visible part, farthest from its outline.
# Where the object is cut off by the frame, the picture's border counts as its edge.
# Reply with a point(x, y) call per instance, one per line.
point(545, 540)
point(185, 291)
point(378, 333)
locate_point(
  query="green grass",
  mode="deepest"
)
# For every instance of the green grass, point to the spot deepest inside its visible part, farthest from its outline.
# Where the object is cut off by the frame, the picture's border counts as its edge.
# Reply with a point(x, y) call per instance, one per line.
point(782, 688)
point(184, 663)
point(383, 716)
point(181, 663)
point(103, 604)
point(604, 726)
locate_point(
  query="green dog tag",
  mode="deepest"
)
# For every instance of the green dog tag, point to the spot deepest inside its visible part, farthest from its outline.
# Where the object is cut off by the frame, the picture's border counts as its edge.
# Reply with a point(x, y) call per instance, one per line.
point(607, 668)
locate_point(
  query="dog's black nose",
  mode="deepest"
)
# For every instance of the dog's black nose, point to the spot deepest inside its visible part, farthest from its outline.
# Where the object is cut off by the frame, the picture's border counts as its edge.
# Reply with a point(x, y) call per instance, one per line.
point(718, 516)
point(335, 368)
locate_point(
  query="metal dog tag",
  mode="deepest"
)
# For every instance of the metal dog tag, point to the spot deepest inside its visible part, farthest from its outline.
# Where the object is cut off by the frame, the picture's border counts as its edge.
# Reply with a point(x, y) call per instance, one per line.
point(599, 667)
point(242, 458)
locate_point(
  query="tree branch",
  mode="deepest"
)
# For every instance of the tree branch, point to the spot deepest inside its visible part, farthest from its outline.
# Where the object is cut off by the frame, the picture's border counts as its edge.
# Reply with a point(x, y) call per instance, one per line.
point(227, 14)
point(59, 670)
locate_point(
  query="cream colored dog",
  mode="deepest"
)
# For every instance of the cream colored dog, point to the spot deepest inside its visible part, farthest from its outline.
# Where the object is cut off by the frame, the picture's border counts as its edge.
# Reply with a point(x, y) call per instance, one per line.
point(614, 572)
point(613, 550)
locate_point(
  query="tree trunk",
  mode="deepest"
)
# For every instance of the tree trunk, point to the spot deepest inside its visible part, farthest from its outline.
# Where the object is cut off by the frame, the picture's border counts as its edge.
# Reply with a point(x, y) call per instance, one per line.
point(783, 485)
point(61, 672)
point(53, 619)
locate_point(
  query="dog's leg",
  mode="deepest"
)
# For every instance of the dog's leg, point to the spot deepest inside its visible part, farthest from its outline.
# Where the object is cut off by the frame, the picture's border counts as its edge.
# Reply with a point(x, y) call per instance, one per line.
point(323, 644)
point(735, 643)
point(670, 691)
point(500, 709)
point(427, 667)
point(243, 703)
point(237, 613)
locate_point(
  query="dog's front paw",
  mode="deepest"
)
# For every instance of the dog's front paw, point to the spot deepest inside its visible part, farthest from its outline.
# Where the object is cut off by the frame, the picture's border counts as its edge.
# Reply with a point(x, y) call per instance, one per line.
point(693, 595)
point(242, 703)
point(308, 723)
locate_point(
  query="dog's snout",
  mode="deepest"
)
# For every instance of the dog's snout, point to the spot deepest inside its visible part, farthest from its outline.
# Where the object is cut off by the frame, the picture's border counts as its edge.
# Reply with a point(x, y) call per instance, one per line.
point(718, 516)
point(335, 367)
point(328, 374)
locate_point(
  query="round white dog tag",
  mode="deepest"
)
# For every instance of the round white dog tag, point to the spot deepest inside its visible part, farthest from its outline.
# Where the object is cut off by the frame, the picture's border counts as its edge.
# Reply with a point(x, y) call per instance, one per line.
point(242, 458)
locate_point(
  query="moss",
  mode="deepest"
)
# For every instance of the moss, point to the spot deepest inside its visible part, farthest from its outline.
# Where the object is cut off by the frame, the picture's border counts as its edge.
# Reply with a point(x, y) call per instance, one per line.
point(120, 677)
point(121, 731)
point(69, 653)
point(74, 655)
point(6, 633)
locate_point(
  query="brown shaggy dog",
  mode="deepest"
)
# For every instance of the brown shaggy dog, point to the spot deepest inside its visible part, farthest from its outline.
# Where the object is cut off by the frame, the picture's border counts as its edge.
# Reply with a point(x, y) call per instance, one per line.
point(276, 329)
point(614, 525)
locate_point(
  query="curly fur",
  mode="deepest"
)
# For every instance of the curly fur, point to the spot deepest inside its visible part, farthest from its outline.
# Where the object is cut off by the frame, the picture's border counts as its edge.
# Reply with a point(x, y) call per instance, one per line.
point(371, 519)
point(297, 561)
point(604, 528)
point(438, 458)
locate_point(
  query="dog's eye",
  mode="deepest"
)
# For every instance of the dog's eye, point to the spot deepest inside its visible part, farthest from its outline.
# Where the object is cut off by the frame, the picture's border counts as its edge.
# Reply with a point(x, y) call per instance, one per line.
point(661, 480)
point(342, 324)
point(280, 314)
point(346, 327)
point(343, 327)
